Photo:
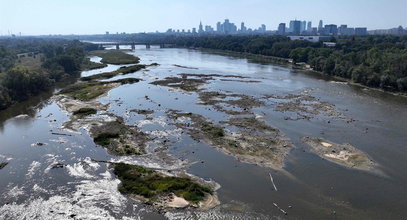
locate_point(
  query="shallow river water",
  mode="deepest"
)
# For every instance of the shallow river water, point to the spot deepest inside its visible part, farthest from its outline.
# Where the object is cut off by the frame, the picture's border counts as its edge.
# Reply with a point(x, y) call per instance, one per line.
point(32, 186)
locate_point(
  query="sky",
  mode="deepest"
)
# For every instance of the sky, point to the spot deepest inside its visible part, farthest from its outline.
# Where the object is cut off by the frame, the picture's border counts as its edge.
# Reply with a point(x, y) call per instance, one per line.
point(38, 17)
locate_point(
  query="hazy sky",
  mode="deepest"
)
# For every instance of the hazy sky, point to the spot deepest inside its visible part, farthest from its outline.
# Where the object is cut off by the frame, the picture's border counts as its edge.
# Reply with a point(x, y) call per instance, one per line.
point(97, 16)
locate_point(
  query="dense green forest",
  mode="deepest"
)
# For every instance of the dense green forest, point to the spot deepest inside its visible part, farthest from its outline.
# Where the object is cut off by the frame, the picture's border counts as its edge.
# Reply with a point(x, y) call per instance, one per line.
point(374, 61)
point(31, 65)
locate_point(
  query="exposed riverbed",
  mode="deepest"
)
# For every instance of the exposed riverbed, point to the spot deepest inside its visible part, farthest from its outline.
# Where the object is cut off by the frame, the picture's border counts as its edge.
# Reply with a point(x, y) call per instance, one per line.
point(274, 139)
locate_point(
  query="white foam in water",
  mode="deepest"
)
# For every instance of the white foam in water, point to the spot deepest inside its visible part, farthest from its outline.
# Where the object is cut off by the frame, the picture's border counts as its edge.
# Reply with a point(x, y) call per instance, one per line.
point(176, 133)
point(91, 163)
point(21, 116)
point(158, 120)
point(91, 200)
point(215, 213)
point(151, 162)
point(83, 168)
point(4, 158)
point(32, 168)
point(38, 188)
point(15, 192)
point(61, 140)
point(51, 160)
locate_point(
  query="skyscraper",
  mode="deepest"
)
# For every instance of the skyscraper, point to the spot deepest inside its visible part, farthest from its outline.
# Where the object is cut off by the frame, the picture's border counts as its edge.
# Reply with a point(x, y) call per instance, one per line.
point(201, 30)
point(331, 29)
point(320, 26)
point(309, 26)
point(360, 31)
point(303, 26)
point(219, 27)
point(295, 27)
point(243, 28)
point(263, 28)
point(229, 28)
point(281, 29)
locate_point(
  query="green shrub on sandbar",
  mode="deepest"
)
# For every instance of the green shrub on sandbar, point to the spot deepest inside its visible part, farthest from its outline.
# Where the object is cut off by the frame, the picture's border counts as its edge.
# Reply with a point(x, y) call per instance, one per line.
point(149, 184)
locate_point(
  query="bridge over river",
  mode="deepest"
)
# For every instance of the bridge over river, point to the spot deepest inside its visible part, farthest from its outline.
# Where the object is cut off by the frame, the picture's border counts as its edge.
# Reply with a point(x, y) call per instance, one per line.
point(132, 44)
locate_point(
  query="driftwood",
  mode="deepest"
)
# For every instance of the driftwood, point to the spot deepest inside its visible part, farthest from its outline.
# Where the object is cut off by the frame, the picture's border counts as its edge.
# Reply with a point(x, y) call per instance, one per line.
point(54, 133)
point(272, 181)
point(3, 164)
point(281, 210)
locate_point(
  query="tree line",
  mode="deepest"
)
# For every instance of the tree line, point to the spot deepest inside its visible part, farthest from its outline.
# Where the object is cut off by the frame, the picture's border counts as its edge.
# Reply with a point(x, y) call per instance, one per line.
point(374, 61)
point(58, 59)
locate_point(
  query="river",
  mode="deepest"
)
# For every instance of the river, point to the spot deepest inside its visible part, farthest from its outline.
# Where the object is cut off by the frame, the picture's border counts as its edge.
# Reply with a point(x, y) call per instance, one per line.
point(33, 185)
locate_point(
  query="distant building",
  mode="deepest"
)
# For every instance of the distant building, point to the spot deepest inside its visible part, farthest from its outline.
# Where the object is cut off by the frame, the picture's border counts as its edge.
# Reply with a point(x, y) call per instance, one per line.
point(360, 31)
point(303, 26)
point(309, 26)
point(342, 29)
point(263, 28)
point(345, 30)
point(295, 27)
point(331, 29)
point(392, 31)
point(313, 31)
point(228, 28)
point(107, 33)
point(243, 28)
point(281, 29)
point(194, 30)
point(309, 38)
point(219, 27)
point(200, 28)
point(208, 29)
point(329, 44)
point(321, 27)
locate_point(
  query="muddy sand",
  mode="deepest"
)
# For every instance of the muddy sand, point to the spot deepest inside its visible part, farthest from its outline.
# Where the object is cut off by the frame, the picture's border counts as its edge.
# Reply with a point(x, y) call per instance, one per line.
point(264, 146)
point(342, 154)
point(304, 106)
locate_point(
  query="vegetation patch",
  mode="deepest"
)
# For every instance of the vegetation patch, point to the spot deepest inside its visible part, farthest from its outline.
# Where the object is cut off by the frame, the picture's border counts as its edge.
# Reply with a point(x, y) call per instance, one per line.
point(251, 123)
point(84, 112)
point(143, 111)
point(304, 106)
point(89, 65)
point(120, 139)
point(186, 84)
point(104, 139)
point(151, 185)
point(121, 71)
point(264, 146)
point(87, 91)
point(115, 57)
point(212, 130)
point(233, 104)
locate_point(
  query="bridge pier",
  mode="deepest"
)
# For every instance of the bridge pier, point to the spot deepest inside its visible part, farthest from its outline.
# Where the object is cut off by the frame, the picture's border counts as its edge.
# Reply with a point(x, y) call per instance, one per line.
point(117, 47)
point(148, 46)
point(133, 46)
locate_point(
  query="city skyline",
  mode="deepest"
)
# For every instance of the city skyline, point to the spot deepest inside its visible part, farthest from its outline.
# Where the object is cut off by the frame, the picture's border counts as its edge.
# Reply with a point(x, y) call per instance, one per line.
point(65, 17)
point(294, 27)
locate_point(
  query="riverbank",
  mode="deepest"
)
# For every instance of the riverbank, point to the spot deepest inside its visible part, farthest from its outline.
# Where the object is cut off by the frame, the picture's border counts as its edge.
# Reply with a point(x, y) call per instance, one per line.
point(289, 63)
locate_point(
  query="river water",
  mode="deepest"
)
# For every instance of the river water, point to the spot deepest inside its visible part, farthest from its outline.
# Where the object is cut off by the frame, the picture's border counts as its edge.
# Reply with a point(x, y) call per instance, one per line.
point(32, 185)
